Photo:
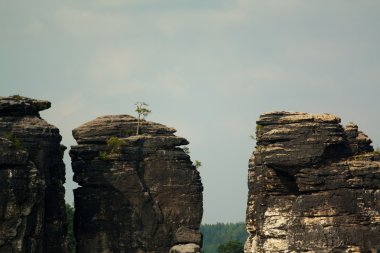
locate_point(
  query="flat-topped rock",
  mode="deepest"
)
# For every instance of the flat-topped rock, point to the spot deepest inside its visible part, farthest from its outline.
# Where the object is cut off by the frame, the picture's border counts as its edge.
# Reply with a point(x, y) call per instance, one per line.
point(287, 139)
point(281, 117)
point(19, 106)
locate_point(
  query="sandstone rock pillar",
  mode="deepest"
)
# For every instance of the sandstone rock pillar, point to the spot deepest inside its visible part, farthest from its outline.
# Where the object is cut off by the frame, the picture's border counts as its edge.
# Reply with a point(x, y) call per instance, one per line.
point(314, 186)
point(32, 174)
point(137, 193)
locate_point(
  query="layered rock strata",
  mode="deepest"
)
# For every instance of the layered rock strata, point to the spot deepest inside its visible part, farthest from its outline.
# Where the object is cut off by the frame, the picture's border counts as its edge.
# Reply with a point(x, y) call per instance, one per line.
point(137, 193)
point(32, 174)
point(314, 186)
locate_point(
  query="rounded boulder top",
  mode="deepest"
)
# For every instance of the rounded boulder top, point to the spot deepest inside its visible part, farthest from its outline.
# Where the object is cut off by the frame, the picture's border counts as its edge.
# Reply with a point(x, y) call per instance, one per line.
point(17, 105)
point(121, 126)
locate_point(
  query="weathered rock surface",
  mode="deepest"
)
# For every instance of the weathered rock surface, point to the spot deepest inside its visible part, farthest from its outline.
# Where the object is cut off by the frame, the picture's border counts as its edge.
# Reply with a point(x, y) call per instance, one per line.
point(138, 193)
point(32, 174)
point(314, 186)
point(185, 248)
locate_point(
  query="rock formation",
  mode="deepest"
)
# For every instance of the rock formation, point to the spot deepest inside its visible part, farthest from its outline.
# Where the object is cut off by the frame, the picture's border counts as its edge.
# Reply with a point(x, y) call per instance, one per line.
point(32, 174)
point(314, 186)
point(137, 193)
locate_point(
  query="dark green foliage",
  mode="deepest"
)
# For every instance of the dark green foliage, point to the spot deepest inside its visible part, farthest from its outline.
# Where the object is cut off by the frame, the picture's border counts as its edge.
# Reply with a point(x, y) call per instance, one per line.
point(114, 143)
point(113, 146)
point(221, 233)
point(104, 156)
point(70, 230)
point(231, 247)
point(15, 140)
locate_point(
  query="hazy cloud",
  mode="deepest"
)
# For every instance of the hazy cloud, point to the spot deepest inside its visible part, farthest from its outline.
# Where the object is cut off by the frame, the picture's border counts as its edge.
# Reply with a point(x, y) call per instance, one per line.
point(111, 64)
point(35, 27)
point(89, 23)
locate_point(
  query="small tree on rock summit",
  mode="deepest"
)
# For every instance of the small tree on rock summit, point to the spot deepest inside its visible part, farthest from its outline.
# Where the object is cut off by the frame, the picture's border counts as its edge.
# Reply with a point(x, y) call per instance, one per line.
point(142, 111)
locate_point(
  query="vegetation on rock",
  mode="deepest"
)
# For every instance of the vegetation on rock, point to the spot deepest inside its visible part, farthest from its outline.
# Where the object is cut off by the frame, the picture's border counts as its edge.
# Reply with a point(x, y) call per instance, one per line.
point(17, 97)
point(114, 144)
point(197, 164)
point(12, 138)
point(132, 205)
point(104, 155)
point(142, 111)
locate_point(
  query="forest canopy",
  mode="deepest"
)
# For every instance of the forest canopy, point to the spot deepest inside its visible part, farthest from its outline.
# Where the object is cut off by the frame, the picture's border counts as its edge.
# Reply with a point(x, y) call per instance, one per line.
point(217, 234)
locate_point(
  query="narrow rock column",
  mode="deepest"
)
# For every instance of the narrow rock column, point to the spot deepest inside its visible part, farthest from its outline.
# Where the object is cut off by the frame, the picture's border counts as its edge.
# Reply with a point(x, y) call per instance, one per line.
point(314, 186)
point(32, 174)
point(137, 193)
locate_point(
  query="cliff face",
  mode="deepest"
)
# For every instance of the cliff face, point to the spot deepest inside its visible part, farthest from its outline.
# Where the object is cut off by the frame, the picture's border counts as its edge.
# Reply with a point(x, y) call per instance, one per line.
point(138, 193)
point(32, 174)
point(314, 186)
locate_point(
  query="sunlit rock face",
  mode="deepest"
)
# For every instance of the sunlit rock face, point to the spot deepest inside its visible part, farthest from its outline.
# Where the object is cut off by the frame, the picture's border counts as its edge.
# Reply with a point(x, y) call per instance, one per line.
point(138, 193)
point(32, 174)
point(314, 186)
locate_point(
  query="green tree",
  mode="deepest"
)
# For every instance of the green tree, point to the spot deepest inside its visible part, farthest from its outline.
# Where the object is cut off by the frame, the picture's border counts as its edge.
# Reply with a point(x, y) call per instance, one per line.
point(142, 111)
point(70, 229)
point(231, 247)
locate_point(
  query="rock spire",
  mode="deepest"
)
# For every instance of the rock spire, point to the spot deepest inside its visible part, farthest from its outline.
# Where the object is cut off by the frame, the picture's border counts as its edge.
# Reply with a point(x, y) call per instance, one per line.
point(138, 193)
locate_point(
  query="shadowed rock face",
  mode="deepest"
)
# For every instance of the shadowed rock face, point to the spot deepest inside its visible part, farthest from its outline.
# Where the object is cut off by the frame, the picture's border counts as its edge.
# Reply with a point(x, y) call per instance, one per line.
point(138, 193)
point(32, 174)
point(314, 186)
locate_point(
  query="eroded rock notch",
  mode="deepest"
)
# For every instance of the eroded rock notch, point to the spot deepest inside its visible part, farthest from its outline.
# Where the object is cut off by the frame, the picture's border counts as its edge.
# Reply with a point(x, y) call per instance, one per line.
point(314, 186)
point(32, 174)
point(137, 193)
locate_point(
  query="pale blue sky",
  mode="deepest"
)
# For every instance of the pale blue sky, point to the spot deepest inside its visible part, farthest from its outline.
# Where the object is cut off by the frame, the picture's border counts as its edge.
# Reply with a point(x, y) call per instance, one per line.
point(208, 68)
